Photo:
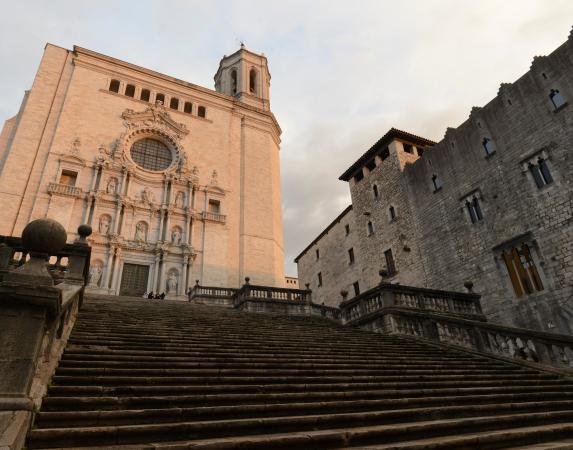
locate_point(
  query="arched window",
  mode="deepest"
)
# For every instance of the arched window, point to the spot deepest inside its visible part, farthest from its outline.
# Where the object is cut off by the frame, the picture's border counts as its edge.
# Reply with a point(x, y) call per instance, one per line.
point(130, 90)
point(234, 81)
point(370, 228)
point(436, 182)
point(188, 108)
point(253, 81)
point(201, 111)
point(375, 190)
point(487, 146)
point(114, 86)
point(557, 98)
point(160, 98)
point(174, 103)
point(145, 94)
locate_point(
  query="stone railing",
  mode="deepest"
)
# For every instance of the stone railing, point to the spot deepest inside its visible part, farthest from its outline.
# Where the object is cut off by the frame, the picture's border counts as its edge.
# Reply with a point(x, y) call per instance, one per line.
point(211, 295)
point(38, 307)
point(389, 295)
point(254, 292)
point(64, 189)
point(517, 343)
point(214, 217)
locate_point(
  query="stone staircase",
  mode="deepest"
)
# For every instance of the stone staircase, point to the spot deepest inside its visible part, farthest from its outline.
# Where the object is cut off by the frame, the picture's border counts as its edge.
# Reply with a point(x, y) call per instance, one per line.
point(151, 374)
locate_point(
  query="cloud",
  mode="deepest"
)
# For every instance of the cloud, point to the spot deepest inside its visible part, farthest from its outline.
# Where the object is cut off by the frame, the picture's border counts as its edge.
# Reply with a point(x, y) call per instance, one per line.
point(342, 72)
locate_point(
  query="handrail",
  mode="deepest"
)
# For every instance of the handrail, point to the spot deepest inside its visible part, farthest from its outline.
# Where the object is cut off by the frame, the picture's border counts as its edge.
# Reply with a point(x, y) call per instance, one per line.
point(256, 292)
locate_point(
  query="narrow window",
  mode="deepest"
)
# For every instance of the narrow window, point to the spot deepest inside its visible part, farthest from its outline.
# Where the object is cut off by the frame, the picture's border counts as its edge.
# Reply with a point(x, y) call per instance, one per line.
point(356, 287)
point(371, 165)
point(557, 98)
point(145, 95)
point(487, 146)
point(347, 229)
point(253, 81)
point(544, 169)
point(408, 148)
point(188, 108)
point(160, 98)
point(234, 81)
point(436, 183)
point(384, 153)
point(174, 103)
point(522, 271)
point(534, 169)
point(68, 177)
point(420, 151)
point(370, 229)
point(392, 212)
point(358, 176)
point(319, 279)
point(201, 111)
point(114, 86)
point(215, 206)
point(474, 209)
point(351, 256)
point(130, 90)
point(317, 254)
point(375, 190)
point(390, 264)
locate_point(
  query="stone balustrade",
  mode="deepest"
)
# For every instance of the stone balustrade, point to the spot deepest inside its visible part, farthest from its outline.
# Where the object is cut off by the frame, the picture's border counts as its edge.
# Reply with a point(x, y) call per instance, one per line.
point(64, 189)
point(522, 344)
point(390, 295)
point(213, 217)
point(39, 302)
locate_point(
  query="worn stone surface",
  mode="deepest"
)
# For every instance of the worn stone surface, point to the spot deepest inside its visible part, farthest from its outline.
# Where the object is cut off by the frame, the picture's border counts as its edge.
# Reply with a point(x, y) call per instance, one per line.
point(434, 242)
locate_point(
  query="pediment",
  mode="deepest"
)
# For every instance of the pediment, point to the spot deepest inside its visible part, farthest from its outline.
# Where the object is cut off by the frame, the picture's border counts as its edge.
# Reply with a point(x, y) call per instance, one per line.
point(154, 115)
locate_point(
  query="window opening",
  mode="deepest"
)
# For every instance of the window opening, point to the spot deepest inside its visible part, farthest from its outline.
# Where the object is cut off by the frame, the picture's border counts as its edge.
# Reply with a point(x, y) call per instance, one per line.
point(375, 190)
point(392, 212)
point(160, 98)
point(474, 209)
point(151, 154)
point(234, 81)
point(188, 107)
point(114, 86)
point(215, 206)
point(201, 111)
point(522, 270)
point(487, 146)
point(145, 95)
point(370, 228)
point(557, 98)
point(351, 256)
point(390, 264)
point(317, 254)
point(130, 90)
point(356, 287)
point(319, 279)
point(68, 177)
point(540, 172)
point(253, 81)
point(174, 103)
point(436, 182)
point(347, 229)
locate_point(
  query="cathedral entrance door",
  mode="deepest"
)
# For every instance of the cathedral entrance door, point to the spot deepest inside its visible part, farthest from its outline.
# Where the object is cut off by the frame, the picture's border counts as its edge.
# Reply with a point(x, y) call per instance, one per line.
point(134, 280)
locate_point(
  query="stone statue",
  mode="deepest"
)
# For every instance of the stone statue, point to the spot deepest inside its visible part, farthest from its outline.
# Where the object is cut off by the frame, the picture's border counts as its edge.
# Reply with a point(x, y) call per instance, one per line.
point(195, 170)
point(182, 162)
point(111, 186)
point(172, 284)
point(95, 274)
point(140, 232)
point(176, 236)
point(180, 200)
point(104, 222)
point(147, 195)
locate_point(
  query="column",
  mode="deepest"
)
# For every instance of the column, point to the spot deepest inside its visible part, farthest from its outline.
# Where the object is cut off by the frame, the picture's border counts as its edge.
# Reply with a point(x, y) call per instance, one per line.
point(183, 283)
point(187, 238)
point(116, 216)
point(161, 284)
point(115, 279)
point(167, 226)
point(107, 276)
point(189, 273)
point(161, 216)
point(155, 274)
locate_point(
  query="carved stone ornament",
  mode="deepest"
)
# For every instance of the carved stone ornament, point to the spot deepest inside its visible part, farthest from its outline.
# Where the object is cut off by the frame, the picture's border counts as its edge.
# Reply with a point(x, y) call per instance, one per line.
point(154, 122)
point(75, 147)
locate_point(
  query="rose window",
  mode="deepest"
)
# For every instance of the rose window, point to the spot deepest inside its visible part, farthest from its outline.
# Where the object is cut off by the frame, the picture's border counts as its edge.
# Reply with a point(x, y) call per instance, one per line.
point(151, 154)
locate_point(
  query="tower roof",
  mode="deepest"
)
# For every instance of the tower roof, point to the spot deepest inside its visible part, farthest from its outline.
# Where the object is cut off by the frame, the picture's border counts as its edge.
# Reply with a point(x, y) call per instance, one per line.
point(392, 134)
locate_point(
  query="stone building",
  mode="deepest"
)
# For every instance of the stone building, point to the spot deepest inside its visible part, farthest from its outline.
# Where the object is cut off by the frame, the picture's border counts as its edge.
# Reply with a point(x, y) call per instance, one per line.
point(179, 182)
point(489, 206)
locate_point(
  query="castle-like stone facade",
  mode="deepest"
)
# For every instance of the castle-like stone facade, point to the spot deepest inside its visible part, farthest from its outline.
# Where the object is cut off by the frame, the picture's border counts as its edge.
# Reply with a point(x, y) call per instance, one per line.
point(490, 207)
point(179, 182)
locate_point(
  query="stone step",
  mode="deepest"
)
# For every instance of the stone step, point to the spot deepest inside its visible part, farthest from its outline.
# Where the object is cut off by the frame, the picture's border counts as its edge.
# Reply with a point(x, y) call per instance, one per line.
point(379, 425)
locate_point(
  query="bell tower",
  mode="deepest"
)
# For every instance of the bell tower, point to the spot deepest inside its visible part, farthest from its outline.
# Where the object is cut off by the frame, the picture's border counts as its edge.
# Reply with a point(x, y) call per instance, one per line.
point(245, 75)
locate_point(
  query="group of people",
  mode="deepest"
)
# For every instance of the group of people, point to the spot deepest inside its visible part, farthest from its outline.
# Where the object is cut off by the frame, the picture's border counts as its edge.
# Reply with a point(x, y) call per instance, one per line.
point(151, 295)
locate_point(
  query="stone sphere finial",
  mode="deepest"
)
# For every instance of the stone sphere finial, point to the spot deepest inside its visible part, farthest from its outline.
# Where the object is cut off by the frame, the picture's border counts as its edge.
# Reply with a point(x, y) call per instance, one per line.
point(44, 237)
point(344, 294)
point(84, 230)
point(247, 279)
point(307, 286)
point(196, 282)
point(469, 285)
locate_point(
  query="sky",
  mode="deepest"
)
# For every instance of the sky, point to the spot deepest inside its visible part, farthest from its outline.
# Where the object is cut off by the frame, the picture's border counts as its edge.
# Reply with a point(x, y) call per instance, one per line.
point(343, 72)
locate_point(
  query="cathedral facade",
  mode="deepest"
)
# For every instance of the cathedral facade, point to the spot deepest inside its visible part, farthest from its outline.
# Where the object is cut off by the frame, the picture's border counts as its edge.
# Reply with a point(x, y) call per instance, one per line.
point(179, 183)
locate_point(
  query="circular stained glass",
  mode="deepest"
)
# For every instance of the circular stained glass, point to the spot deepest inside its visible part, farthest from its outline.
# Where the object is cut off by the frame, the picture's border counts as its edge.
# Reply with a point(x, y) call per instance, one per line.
point(151, 154)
